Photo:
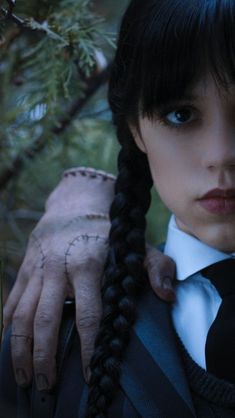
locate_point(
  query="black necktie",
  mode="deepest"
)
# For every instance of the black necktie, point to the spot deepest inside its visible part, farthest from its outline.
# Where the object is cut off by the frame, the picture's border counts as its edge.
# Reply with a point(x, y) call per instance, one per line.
point(220, 343)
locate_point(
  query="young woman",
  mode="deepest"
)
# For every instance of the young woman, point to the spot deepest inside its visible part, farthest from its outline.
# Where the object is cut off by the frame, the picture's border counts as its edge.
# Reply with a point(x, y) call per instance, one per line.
point(172, 94)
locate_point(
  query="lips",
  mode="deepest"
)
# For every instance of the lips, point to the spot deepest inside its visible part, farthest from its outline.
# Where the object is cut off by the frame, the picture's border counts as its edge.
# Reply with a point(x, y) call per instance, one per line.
point(220, 193)
point(219, 201)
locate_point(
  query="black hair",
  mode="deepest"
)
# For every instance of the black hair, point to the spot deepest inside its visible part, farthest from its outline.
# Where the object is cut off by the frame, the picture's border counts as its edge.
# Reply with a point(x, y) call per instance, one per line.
point(164, 48)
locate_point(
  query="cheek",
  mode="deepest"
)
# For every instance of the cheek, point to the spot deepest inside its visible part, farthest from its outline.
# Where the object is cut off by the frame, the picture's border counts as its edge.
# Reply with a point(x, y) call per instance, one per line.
point(175, 166)
point(170, 178)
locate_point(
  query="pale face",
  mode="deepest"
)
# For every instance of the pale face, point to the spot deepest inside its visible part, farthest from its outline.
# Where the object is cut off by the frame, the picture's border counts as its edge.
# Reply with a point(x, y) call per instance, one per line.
point(191, 151)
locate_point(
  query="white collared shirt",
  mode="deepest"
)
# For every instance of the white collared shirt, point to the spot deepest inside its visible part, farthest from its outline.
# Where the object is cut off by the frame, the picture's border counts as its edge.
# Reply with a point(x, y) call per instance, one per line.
point(197, 300)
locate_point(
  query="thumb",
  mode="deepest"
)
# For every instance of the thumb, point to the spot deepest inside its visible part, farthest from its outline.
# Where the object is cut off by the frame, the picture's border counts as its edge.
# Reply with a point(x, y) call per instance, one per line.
point(161, 271)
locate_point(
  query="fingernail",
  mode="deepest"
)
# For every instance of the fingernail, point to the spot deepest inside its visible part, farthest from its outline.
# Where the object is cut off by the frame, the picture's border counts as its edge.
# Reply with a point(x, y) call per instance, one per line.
point(21, 377)
point(42, 382)
point(87, 374)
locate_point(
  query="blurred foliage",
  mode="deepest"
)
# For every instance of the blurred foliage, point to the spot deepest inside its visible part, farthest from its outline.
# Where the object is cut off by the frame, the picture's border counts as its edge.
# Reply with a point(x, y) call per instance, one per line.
point(48, 51)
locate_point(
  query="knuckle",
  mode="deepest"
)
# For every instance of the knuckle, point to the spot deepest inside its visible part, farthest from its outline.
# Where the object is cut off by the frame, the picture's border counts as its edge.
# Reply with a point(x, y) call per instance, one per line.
point(53, 262)
point(41, 353)
point(158, 263)
point(91, 264)
point(20, 354)
point(40, 360)
point(18, 317)
point(151, 258)
point(88, 321)
point(42, 320)
point(152, 267)
point(52, 255)
point(44, 355)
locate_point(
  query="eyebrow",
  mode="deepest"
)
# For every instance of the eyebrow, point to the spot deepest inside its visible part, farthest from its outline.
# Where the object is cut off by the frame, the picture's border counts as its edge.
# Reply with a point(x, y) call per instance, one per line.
point(171, 102)
point(189, 96)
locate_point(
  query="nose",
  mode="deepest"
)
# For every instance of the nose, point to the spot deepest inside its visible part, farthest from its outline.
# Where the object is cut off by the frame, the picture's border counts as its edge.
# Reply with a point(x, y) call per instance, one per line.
point(220, 150)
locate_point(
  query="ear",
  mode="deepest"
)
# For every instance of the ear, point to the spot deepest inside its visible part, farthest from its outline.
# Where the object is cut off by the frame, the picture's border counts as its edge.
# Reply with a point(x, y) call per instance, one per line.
point(138, 138)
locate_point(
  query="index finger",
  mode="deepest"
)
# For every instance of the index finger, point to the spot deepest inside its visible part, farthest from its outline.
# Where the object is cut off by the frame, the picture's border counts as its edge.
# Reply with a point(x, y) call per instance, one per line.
point(14, 296)
point(161, 271)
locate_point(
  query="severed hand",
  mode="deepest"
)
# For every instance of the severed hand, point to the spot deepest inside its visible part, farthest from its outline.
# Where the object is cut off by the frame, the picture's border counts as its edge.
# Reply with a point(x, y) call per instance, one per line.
point(65, 259)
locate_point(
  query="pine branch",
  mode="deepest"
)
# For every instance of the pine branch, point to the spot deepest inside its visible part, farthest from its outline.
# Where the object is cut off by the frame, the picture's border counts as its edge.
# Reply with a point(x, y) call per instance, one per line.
point(32, 25)
point(93, 84)
point(69, 37)
point(9, 15)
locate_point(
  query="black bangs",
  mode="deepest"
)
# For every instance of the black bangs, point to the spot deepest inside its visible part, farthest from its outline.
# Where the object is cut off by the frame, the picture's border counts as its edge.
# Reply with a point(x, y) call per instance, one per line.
point(168, 46)
point(185, 41)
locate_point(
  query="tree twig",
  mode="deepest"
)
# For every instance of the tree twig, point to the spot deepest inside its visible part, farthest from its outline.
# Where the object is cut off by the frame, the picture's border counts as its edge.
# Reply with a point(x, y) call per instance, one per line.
point(93, 84)
point(9, 15)
point(11, 6)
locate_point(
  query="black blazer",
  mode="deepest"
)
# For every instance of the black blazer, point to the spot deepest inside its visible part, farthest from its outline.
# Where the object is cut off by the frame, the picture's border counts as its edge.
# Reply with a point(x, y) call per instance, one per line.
point(153, 383)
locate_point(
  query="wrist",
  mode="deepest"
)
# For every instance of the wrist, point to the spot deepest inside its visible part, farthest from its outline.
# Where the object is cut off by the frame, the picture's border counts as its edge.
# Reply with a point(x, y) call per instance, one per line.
point(88, 172)
point(83, 191)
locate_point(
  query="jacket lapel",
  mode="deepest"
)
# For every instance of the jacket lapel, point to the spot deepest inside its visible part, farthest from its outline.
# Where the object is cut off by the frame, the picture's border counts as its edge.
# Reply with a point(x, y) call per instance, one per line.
point(153, 377)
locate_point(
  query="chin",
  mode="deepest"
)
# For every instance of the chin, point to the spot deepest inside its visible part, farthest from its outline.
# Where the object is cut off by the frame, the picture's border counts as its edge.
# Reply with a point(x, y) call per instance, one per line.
point(219, 234)
point(222, 238)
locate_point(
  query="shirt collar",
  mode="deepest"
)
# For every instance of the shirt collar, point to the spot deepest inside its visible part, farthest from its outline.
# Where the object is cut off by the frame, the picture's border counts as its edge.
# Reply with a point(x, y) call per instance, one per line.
point(189, 253)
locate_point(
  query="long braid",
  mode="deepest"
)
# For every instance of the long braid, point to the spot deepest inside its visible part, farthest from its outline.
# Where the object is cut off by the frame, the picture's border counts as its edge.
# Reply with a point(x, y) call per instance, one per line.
point(125, 275)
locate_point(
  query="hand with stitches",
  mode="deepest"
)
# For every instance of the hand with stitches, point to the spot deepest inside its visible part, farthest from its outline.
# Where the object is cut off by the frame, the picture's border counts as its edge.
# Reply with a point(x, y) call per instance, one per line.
point(65, 259)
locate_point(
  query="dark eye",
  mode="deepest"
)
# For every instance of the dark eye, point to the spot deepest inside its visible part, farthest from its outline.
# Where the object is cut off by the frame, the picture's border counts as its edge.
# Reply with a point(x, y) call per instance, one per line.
point(180, 116)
